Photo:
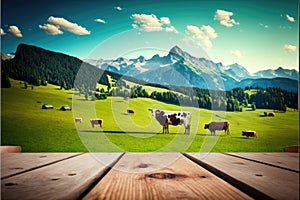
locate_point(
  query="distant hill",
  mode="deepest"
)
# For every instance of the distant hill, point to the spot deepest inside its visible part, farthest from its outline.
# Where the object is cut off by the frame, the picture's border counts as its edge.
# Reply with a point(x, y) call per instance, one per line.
point(280, 72)
point(177, 71)
point(39, 66)
point(284, 83)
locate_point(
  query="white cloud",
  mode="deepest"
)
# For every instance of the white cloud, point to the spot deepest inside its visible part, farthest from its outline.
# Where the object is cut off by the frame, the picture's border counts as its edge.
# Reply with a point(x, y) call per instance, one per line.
point(290, 19)
point(135, 26)
point(202, 35)
point(236, 54)
point(284, 27)
point(223, 17)
point(165, 20)
point(150, 23)
point(209, 31)
point(171, 29)
point(2, 32)
point(56, 23)
point(264, 25)
point(100, 21)
point(289, 47)
point(50, 29)
point(69, 26)
point(119, 8)
point(147, 22)
point(15, 31)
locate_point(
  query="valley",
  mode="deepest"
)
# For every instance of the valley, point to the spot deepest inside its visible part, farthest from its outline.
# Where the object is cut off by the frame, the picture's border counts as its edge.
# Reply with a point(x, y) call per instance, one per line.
point(24, 123)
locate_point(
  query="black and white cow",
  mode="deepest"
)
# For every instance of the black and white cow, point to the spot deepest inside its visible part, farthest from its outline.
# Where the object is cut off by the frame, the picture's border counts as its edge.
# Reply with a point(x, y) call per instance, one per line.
point(166, 118)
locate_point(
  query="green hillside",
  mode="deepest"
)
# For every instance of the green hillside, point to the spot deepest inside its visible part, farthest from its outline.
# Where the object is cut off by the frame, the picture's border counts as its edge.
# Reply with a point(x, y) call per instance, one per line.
point(24, 123)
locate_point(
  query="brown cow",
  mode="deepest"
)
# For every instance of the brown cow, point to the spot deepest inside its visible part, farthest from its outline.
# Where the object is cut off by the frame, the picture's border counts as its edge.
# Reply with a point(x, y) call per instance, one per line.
point(95, 122)
point(130, 111)
point(249, 133)
point(217, 126)
point(271, 114)
point(78, 119)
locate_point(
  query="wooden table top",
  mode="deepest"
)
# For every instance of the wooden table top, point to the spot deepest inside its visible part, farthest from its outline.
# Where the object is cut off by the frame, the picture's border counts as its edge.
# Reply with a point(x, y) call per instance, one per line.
point(149, 176)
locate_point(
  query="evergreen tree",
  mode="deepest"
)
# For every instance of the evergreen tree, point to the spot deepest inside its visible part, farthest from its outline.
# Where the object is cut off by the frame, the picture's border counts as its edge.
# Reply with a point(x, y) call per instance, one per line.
point(5, 82)
point(253, 106)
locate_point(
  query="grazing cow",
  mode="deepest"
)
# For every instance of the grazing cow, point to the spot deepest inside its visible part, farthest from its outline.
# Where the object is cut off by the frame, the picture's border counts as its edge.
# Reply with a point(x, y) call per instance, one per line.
point(96, 121)
point(78, 119)
point(166, 118)
point(217, 126)
point(271, 114)
point(130, 111)
point(249, 133)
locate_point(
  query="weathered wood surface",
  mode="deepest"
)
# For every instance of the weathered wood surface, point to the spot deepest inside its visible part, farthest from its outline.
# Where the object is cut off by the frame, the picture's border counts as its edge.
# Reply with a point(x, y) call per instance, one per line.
point(10, 149)
point(149, 176)
point(257, 179)
point(66, 179)
point(15, 163)
point(283, 160)
point(161, 176)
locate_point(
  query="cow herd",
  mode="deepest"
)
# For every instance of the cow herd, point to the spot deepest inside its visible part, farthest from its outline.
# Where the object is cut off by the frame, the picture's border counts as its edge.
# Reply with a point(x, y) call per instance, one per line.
point(175, 118)
point(92, 121)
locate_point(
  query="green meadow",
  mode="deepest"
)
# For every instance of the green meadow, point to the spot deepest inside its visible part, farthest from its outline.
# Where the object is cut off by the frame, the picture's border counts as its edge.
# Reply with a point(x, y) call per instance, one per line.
point(24, 123)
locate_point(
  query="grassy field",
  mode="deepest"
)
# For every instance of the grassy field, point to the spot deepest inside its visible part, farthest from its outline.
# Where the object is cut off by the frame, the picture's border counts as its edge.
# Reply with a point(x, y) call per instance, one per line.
point(24, 123)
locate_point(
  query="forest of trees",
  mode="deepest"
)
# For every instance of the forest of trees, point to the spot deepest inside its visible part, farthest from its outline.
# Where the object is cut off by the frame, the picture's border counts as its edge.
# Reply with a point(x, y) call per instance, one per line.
point(232, 100)
point(38, 66)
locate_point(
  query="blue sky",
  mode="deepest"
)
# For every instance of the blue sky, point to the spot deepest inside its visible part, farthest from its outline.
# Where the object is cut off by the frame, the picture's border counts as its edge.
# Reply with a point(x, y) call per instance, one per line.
point(256, 34)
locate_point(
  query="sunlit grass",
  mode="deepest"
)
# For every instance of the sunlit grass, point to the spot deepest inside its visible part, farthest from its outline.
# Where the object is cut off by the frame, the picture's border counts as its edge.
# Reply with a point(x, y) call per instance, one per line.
point(24, 123)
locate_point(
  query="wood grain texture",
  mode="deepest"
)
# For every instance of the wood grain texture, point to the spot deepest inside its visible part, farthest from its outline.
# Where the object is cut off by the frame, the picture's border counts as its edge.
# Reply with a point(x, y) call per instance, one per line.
point(282, 160)
point(10, 149)
point(272, 181)
point(67, 179)
point(15, 163)
point(161, 176)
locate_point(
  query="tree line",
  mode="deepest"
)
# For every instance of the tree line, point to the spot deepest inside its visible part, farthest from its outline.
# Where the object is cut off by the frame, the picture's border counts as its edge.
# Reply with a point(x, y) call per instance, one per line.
point(232, 100)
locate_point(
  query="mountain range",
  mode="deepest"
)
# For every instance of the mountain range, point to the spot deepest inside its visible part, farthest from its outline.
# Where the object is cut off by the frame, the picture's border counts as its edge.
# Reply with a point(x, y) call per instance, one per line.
point(182, 69)
point(177, 68)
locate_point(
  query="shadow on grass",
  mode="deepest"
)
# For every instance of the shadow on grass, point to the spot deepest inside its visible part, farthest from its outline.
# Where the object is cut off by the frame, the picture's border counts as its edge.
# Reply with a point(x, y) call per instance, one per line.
point(263, 115)
point(240, 137)
point(73, 92)
point(116, 132)
point(216, 135)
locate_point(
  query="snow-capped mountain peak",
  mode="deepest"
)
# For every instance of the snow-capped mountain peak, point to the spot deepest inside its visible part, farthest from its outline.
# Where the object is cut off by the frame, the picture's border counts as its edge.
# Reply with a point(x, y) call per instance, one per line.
point(182, 69)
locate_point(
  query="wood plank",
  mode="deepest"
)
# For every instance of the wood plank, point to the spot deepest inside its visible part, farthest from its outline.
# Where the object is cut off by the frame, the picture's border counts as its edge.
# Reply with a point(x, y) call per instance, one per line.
point(67, 179)
point(289, 161)
point(16, 163)
point(253, 178)
point(10, 149)
point(161, 176)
